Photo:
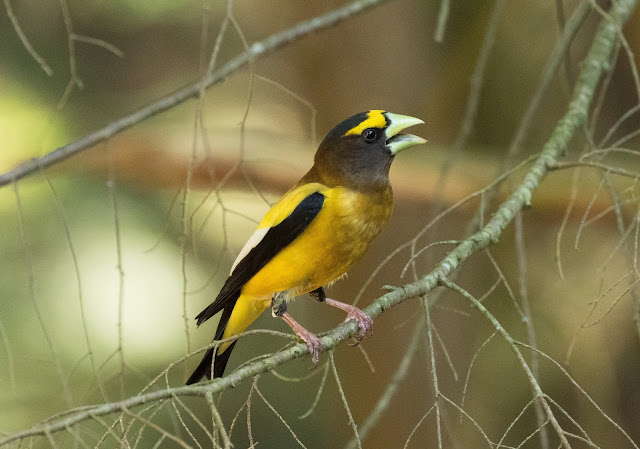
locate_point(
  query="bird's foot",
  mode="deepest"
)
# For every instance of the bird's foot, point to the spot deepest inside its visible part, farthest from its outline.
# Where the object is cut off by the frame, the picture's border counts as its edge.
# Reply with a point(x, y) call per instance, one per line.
point(314, 344)
point(365, 322)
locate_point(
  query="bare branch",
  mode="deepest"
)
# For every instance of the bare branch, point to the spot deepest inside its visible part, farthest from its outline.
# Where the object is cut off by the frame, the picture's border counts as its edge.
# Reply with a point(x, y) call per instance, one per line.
point(538, 394)
point(23, 38)
point(389, 392)
point(443, 16)
point(98, 43)
point(257, 50)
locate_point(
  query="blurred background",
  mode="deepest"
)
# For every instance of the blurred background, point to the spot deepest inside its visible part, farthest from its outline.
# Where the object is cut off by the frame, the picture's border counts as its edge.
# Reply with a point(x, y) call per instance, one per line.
point(106, 260)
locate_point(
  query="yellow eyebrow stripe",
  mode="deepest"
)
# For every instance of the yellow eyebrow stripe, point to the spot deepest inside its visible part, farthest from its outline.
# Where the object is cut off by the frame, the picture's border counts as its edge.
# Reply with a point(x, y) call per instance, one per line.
point(375, 119)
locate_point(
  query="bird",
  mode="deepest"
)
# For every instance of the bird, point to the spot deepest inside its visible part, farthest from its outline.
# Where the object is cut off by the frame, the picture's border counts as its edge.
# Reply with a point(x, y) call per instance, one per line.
point(312, 236)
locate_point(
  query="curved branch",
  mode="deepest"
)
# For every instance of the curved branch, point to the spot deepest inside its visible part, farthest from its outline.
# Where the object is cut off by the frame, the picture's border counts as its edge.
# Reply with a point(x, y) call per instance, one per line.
point(257, 50)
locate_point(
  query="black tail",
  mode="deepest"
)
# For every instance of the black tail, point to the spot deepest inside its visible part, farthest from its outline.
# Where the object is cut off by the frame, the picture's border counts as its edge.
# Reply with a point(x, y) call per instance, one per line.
point(204, 368)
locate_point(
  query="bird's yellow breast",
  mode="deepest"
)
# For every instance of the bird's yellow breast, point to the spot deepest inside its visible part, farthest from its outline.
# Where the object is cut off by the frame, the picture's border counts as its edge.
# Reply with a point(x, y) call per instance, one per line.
point(336, 238)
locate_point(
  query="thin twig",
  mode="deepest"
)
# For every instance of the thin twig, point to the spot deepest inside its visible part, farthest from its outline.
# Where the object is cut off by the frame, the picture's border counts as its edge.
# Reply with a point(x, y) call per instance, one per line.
point(471, 365)
point(25, 41)
point(515, 420)
point(32, 295)
point(476, 83)
point(279, 416)
point(217, 421)
point(316, 400)
point(74, 80)
point(565, 219)
point(567, 58)
point(98, 43)
point(443, 16)
point(392, 387)
point(352, 422)
point(434, 372)
point(538, 393)
point(113, 200)
point(76, 268)
point(4, 336)
point(583, 392)
point(603, 167)
point(617, 124)
point(418, 424)
point(629, 253)
point(528, 321)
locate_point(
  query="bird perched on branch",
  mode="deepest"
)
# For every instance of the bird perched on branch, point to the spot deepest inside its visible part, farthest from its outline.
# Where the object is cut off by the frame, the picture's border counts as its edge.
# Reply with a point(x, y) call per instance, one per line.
point(313, 234)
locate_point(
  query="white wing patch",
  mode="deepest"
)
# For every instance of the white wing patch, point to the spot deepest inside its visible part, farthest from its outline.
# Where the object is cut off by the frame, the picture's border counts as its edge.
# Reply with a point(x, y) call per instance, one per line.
point(253, 241)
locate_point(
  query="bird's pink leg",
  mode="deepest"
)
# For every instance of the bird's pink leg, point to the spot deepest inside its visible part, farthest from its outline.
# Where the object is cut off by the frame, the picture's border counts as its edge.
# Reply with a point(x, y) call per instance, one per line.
point(313, 343)
point(365, 322)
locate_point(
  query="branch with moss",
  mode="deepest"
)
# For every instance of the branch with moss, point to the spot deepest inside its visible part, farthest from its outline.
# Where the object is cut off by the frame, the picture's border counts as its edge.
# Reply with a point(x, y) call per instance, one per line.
point(596, 63)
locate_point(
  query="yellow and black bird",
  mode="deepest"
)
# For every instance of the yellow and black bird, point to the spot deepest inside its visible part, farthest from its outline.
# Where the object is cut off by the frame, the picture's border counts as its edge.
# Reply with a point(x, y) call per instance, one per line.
point(314, 233)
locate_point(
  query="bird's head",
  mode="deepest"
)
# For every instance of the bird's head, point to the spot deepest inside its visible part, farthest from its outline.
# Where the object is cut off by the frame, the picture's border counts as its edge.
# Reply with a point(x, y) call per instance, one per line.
point(358, 152)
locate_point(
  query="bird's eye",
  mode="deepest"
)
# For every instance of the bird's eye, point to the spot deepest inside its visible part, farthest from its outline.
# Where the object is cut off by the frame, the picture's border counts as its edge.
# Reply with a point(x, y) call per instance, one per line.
point(369, 135)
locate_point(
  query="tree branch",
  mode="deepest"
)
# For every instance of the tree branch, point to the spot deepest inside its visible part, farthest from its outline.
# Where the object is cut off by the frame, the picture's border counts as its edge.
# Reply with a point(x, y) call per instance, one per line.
point(257, 50)
point(25, 41)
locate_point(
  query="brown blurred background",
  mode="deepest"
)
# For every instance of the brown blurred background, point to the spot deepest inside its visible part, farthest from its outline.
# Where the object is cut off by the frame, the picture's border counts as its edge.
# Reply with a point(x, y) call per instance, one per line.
point(125, 199)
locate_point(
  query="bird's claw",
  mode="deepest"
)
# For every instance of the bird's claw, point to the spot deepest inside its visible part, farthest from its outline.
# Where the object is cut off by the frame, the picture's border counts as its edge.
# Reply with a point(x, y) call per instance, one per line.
point(365, 324)
point(315, 346)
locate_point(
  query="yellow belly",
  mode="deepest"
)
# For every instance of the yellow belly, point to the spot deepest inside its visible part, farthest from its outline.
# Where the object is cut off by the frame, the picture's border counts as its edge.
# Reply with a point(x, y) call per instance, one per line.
point(336, 238)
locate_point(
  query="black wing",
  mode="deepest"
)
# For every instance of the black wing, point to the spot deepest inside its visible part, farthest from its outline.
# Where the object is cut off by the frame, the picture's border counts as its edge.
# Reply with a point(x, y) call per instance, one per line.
point(277, 238)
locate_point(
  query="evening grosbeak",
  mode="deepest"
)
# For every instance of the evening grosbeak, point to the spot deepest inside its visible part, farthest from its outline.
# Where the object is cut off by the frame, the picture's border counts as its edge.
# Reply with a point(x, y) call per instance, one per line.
point(313, 234)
